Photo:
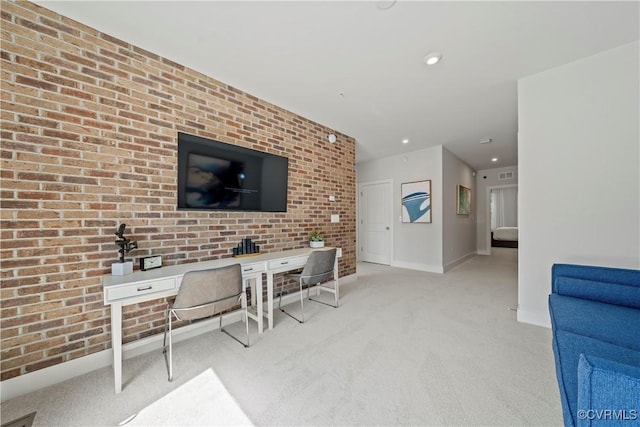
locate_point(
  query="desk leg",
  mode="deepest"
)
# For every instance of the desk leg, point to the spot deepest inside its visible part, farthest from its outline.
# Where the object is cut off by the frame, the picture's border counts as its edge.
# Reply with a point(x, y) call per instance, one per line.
point(270, 299)
point(260, 308)
point(116, 344)
point(335, 281)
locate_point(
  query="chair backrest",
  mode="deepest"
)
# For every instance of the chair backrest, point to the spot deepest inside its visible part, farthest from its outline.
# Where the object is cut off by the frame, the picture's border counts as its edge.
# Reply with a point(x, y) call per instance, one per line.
point(215, 289)
point(319, 266)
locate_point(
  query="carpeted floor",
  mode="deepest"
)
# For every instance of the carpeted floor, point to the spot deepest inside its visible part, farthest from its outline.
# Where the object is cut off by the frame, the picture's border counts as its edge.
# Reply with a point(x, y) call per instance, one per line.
point(404, 348)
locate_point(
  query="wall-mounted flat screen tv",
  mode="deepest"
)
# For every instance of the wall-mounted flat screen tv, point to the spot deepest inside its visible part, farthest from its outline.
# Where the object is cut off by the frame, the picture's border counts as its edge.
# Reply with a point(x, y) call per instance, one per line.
point(213, 175)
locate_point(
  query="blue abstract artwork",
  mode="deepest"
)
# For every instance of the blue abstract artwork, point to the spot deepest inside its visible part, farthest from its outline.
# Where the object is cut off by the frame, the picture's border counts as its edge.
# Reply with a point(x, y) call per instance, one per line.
point(416, 201)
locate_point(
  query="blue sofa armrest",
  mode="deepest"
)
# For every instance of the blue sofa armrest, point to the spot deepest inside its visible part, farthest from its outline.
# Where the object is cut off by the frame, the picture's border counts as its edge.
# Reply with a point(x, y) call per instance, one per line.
point(616, 286)
point(608, 393)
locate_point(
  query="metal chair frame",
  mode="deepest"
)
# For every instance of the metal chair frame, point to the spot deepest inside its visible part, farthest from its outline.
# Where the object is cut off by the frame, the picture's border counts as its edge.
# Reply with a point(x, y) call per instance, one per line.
point(311, 284)
point(170, 312)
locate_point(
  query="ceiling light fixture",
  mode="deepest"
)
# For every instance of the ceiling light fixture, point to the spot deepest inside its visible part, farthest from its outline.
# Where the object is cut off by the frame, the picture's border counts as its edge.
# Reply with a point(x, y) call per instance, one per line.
point(405, 141)
point(486, 141)
point(495, 159)
point(433, 58)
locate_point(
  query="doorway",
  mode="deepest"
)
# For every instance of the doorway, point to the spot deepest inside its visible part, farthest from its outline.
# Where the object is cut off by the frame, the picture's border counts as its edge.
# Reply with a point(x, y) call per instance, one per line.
point(501, 210)
point(375, 222)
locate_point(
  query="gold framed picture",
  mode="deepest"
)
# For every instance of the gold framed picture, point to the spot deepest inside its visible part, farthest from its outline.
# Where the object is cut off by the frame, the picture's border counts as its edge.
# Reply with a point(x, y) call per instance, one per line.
point(464, 200)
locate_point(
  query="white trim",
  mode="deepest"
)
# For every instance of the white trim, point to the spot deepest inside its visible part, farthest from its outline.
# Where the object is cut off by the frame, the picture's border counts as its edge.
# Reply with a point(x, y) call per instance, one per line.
point(51, 375)
point(538, 318)
point(484, 252)
point(41, 378)
point(416, 266)
point(459, 261)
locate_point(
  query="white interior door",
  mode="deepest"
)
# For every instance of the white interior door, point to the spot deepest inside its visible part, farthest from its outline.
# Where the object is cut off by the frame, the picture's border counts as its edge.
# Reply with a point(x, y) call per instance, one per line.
point(375, 222)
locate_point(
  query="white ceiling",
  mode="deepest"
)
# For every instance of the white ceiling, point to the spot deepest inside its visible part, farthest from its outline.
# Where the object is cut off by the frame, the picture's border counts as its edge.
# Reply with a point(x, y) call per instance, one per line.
point(303, 55)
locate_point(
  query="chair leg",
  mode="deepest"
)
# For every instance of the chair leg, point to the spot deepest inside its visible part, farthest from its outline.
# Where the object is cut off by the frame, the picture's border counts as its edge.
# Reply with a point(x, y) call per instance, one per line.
point(167, 329)
point(335, 293)
point(237, 339)
point(287, 313)
point(302, 301)
point(246, 321)
point(280, 295)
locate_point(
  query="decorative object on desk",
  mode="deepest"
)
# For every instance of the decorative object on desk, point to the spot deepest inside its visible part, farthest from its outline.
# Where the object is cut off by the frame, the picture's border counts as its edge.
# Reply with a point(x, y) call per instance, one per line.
point(149, 262)
point(464, 200)
point(245, 248)
point(316, 240)
point(416, 201)
point(123, 266)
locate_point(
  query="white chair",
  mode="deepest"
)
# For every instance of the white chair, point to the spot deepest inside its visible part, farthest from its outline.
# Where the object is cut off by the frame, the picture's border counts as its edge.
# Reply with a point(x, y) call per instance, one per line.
point(204, 293)
point(317, 272)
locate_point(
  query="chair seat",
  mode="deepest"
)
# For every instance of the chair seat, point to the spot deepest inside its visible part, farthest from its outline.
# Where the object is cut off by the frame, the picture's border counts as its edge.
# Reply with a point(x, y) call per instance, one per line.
point(319, 269)
point(203, 294)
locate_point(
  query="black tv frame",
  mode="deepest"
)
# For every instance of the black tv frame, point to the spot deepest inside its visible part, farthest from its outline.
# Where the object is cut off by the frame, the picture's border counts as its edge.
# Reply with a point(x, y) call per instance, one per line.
point(207, 171)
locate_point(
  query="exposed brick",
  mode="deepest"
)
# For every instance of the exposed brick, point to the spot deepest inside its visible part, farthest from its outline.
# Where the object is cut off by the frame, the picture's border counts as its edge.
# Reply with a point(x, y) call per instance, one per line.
point(89, 127)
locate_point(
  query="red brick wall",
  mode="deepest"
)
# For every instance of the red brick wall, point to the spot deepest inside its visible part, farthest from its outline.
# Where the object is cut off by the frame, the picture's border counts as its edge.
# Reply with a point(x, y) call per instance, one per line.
point(89, 134)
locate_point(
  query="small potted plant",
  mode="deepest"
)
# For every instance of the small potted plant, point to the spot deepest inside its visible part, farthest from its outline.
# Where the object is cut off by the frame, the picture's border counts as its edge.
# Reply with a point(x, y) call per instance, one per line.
point(316, 240)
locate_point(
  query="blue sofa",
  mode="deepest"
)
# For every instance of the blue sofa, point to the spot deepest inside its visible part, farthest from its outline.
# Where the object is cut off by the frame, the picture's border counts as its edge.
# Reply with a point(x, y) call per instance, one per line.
point(595, 320)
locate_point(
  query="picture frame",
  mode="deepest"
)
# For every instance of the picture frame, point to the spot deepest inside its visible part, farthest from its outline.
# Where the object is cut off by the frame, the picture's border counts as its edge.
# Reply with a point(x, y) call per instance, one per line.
point(463, 200)
point(416, 201)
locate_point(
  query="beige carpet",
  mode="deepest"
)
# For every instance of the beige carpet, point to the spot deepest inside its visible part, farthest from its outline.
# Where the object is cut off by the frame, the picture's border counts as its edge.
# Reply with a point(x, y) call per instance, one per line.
point(404, 348)
point(201, 398)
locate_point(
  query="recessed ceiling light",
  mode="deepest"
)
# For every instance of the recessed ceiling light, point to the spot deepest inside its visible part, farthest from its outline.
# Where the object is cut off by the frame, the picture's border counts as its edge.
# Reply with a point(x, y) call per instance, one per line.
point(405, 141)
point(433, 58)
point(495, 159)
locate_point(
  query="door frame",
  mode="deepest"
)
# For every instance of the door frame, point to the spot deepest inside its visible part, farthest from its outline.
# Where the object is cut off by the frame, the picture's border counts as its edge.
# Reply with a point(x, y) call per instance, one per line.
point(488, 211)
point(359, 239)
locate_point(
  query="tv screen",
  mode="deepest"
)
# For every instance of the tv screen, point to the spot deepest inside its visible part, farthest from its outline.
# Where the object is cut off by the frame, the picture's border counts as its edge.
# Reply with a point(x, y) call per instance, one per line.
point(213, 175)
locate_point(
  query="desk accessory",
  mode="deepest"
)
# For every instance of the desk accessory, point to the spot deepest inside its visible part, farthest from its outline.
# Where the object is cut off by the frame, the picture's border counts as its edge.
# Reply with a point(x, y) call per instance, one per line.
point(316, 240)
point(149, 262)
point(246, 248)
point(123, 266)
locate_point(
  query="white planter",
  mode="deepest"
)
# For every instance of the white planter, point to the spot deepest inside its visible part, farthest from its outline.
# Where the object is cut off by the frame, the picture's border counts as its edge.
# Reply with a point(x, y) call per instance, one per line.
point(319, 244)
point(122, 268)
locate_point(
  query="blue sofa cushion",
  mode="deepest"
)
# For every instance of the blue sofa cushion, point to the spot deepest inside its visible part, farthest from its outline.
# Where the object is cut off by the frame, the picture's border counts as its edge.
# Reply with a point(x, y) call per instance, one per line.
point(611, 285)
point(608, 393)
point(568, 347)
point(605, 322)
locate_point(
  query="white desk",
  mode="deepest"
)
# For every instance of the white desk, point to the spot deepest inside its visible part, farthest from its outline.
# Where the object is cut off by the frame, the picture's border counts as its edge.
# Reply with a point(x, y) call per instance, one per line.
point(165, 281)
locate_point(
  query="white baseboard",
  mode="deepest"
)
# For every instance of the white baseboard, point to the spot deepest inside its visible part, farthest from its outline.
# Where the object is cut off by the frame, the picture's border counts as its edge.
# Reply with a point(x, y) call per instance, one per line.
point(45, 377)
point(536, 318)
point(51, 375)
point(418, 266)
point(459, 261)
point(484, 252)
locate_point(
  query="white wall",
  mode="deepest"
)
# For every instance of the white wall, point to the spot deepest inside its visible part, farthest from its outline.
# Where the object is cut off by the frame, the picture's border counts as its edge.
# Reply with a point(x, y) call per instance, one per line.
point(579, 165)
point(485, 180)
point(459, 231)
point(416, 246)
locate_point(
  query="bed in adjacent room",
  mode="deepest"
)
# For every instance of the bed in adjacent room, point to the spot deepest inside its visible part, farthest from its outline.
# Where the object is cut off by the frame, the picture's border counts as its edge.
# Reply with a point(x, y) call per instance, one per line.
point(504, 237)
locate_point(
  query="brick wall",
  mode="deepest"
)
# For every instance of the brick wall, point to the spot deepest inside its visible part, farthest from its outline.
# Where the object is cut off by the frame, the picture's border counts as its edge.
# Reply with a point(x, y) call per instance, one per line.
point(89, 136)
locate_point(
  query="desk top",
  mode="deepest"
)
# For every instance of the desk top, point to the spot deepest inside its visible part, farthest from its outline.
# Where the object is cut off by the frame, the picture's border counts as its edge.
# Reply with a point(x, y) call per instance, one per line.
point(180, 269)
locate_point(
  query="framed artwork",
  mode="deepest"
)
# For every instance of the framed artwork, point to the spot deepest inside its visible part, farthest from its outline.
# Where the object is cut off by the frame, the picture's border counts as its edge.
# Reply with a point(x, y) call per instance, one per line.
point(416, 201)
point(464, 200)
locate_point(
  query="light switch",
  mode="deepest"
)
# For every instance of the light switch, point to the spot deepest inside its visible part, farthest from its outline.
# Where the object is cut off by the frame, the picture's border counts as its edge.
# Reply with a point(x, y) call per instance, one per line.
point(335, 218)
point(332, 198)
